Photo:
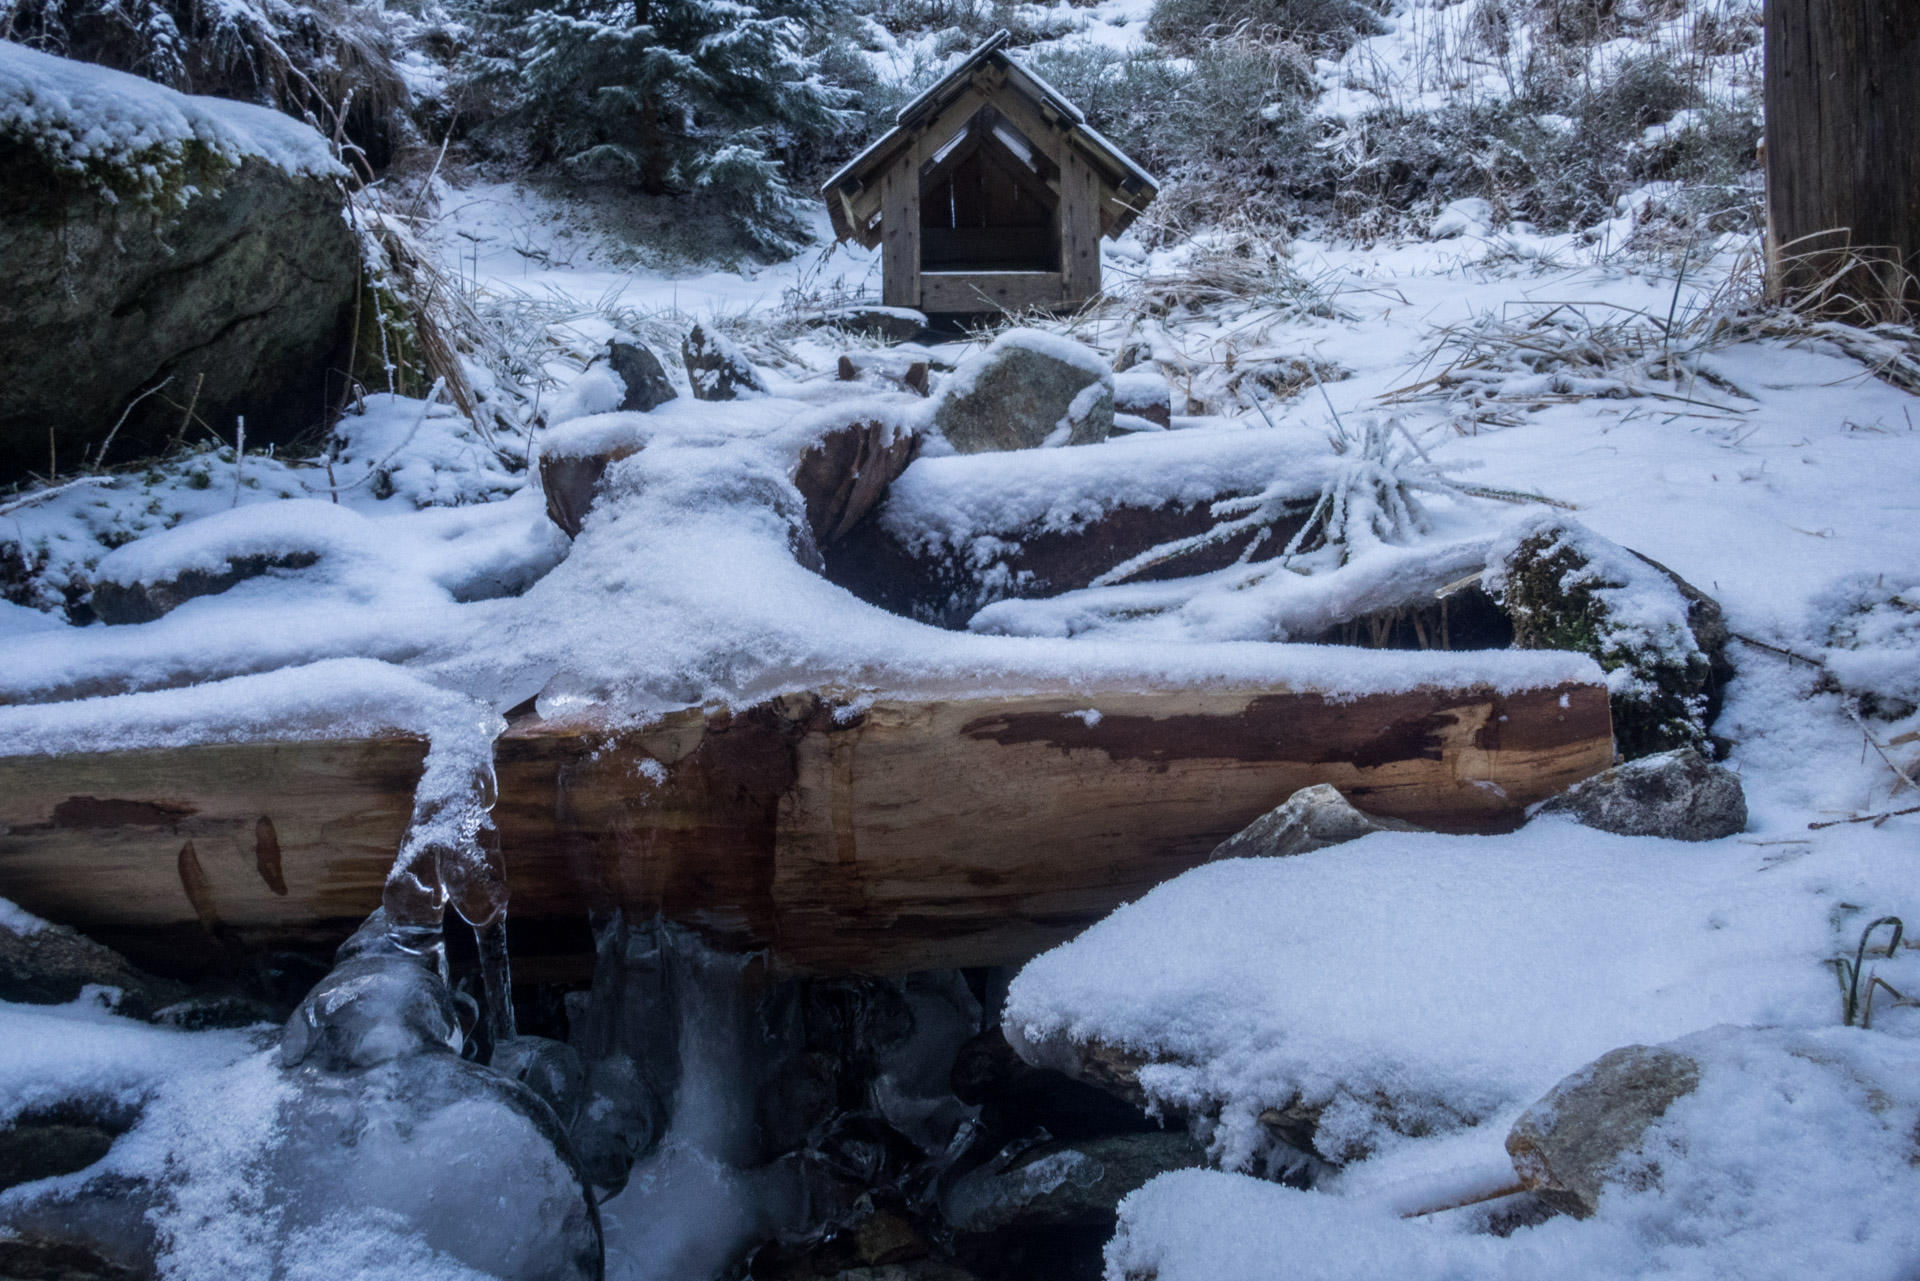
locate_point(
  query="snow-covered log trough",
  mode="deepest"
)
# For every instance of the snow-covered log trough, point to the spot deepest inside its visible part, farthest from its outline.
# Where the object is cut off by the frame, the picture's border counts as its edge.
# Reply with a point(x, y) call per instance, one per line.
point(883, 835)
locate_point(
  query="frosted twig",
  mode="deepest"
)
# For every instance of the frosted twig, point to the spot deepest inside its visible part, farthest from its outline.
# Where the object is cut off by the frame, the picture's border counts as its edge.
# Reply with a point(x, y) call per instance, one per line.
point(123, 418)
point(40, 496)
point(1853, 711)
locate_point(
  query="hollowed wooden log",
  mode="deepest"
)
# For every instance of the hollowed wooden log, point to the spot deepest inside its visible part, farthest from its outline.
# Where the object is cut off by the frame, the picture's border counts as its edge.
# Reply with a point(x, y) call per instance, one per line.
point(912, 835)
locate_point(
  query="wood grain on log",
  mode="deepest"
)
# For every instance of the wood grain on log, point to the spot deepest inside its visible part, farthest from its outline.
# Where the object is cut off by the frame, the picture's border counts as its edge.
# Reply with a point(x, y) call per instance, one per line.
point(906, 835)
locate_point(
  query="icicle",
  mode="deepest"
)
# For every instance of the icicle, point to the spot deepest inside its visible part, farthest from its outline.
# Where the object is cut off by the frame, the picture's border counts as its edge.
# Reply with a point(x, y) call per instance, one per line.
point(451, 857)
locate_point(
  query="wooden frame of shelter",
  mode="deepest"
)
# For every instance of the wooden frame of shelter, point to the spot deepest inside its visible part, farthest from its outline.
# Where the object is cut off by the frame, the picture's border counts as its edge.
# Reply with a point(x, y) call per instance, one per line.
point(990, 193)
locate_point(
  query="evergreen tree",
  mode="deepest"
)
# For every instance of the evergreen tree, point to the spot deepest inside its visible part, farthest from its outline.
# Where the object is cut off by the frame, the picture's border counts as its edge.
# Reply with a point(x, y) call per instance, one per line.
point(706, 97)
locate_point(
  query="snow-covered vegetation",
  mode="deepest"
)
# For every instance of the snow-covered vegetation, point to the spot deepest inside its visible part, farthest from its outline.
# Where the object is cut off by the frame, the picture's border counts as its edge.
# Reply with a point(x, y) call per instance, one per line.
point(1456, 305)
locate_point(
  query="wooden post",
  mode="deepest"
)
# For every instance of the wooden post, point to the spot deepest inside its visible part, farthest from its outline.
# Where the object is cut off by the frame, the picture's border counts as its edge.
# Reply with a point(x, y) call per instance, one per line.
point(900, 231)
point(1843, 152)
point(1079, 229)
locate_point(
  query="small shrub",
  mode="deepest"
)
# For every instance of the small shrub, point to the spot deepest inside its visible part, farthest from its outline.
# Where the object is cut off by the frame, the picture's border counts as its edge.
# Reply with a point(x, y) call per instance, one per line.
point(1226, 129)
point(1324, 26)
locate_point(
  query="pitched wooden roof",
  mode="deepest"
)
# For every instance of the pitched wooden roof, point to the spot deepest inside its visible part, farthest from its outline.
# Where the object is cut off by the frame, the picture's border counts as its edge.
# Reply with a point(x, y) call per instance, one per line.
point(1025, 109)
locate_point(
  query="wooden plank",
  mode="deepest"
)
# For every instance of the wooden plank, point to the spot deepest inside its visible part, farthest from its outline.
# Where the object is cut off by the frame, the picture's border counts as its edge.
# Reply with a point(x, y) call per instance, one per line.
point(914, 834)
point(900, 232)
point(965, 291)
point(1079, 230)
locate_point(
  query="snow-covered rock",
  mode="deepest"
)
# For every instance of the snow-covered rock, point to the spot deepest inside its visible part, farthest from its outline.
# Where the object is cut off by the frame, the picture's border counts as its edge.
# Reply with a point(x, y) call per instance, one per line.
point(1679, 794)
point(1029, 388)
point(1566, 1147)
point(1470, 217)
point(1311, 819)
point(188, 251)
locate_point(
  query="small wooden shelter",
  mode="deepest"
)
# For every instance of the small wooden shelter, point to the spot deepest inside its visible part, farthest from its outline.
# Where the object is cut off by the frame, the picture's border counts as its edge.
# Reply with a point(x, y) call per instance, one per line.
point(990, 193)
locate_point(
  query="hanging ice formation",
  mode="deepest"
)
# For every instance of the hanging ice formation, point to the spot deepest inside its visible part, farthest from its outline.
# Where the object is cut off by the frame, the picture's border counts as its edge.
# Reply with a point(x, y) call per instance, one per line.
point(451, 856)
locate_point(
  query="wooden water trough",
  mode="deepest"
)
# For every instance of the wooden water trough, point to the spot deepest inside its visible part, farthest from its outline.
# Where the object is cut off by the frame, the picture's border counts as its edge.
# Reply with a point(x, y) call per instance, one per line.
point(907, 835)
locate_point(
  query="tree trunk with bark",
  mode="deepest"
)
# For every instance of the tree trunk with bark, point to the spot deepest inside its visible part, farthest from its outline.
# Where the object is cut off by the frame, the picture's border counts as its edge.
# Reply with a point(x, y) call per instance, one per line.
point(1843, 155)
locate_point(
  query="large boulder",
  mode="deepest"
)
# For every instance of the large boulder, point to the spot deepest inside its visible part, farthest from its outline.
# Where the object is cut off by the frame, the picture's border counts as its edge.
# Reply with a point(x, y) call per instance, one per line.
point(1027, 389)
point(160, 252)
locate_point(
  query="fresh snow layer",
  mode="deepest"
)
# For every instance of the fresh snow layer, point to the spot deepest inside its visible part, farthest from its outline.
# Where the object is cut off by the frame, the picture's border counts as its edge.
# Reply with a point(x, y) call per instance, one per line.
point(336, 698)
point(84, 117)
point(1456, 977)
point(82, 1050)
point(1792, 1159)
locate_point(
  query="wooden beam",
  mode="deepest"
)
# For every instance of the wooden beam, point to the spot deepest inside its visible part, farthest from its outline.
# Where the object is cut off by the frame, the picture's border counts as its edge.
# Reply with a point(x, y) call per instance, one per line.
point(965, 292)
point(900, 231)
point(1079, 229)
point(913, 834)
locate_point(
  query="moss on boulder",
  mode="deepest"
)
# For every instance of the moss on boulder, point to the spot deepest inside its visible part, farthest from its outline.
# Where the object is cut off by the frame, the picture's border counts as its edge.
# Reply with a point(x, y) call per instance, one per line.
point(160, 252)
point(1661, 641)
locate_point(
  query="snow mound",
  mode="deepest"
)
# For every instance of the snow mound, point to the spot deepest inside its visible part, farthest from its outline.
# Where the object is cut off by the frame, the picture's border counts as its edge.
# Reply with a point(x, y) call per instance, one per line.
point(1793, 1158)
point(1407, 984)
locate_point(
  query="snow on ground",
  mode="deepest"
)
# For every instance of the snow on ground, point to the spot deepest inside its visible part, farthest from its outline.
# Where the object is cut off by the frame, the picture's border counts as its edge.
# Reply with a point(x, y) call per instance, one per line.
point(1459, 976)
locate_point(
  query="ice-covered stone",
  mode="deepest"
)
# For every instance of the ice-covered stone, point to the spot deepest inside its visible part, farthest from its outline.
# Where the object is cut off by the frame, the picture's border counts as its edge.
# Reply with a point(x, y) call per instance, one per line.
point(441, 1151)
point(380, 1002)
point(551, 1069)
point(1065, 1184)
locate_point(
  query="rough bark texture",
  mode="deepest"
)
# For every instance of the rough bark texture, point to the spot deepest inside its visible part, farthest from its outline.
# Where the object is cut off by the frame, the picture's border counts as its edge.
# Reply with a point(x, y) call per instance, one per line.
point(246, 294)
point(1843, 143)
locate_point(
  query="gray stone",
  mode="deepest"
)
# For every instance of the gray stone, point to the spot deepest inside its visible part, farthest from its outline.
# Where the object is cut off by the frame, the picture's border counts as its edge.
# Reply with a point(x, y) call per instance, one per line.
point(60, 1140)
point(1026, 390)
point(204, 1013)
point(118, 603)
point(891, 324)
point(52, 964)
point(1311, 819)
point(648, 386)
point(1678, 794)
point(1565, 1147)
point(32, 1258)
point(1058, 1185)
point(244, 294)
point(717, 368)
